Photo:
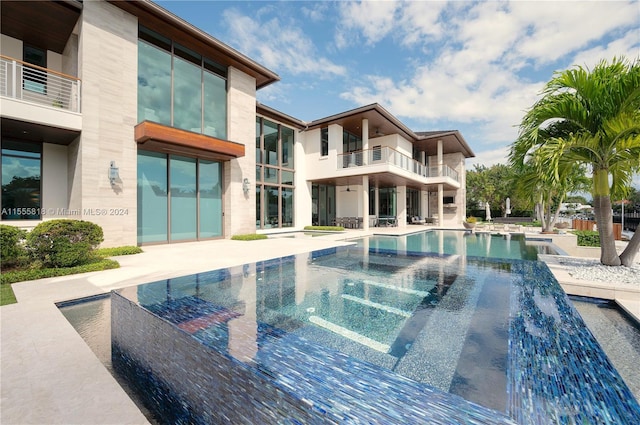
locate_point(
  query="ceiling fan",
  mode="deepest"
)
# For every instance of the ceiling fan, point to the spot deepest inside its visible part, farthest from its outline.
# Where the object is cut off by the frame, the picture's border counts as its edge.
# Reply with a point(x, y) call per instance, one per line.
point(348, 189)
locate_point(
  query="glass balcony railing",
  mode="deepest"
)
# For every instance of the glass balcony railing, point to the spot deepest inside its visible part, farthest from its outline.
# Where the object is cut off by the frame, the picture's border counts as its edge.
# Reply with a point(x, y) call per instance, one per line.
point(390, 156)
point(31, 83)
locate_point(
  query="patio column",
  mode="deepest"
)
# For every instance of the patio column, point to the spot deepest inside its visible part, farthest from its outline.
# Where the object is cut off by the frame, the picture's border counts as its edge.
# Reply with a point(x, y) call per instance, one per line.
point(377, 202)
point(439, 158)
point(424, 203)
point(440, 204)
point(365, 203)
point(401, 201)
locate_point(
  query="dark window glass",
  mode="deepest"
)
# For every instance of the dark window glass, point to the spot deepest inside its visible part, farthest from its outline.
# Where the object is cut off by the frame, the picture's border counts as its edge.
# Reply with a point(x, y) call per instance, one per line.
point(324, 142)
point(34, 79)
point(21, 165)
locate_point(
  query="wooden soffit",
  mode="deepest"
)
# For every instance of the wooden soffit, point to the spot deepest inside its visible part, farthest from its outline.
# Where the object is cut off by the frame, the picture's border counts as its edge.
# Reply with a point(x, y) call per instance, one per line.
point(158, 137)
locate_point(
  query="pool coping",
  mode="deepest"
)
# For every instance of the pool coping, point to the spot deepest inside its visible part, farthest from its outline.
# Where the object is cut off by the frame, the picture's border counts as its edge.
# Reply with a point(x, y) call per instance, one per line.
point(627, 296)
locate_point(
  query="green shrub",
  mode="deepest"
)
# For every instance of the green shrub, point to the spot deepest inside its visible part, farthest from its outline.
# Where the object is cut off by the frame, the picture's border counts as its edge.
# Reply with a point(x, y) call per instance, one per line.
point(588, 237)
point(11, 245)
point(120, 250)
point(248, 237)
point(325, 228)
point(472, 219)
point(35, 273)
point(64, 243)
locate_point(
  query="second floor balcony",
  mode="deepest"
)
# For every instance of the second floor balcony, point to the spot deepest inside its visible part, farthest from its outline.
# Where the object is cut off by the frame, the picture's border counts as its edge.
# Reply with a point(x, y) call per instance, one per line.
point(33, 84)
point(385, 155)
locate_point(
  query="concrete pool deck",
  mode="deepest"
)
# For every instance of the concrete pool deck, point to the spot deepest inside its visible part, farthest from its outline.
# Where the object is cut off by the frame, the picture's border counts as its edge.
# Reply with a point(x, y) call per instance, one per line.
point(49, 375)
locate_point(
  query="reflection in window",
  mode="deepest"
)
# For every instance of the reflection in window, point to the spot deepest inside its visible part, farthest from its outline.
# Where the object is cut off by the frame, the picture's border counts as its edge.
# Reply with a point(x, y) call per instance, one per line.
point(187, 188)
point(35, 80)
point(287, 207)
point(154, 84)
point(271, 207)
point(152, 197)
point(21, 165)
point(183, 198)
point(271, 142)
point(187, 95)
point(210, 191)
point(275, 180)
point(180, 89)
point(287, 147)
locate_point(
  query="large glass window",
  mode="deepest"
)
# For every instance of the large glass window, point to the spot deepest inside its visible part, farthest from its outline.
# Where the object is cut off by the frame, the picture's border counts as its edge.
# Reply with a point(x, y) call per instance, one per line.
point(210, 191)
point(287, 147)
point(152, 197)
point(271, 204)
point(182, 180)
point(187, 92)
point(154, 84)
point(387, 200)
point(274, 174)
point(21, 171)
point(323, 204)
point(215, 105)
point(180, 88)
point(179, 198)
point(271, 143)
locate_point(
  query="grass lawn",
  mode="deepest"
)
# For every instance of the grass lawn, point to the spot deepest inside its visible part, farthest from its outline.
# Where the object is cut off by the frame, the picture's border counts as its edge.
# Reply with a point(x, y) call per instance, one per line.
point(98, 263)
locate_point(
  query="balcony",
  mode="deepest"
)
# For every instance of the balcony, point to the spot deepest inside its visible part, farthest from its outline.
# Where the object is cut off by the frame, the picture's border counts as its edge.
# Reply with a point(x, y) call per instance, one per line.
point(41, 86)
point(389, 156)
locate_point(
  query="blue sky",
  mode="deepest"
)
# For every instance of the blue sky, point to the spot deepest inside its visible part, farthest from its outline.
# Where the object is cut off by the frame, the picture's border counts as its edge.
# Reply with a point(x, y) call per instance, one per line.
point(470, 66)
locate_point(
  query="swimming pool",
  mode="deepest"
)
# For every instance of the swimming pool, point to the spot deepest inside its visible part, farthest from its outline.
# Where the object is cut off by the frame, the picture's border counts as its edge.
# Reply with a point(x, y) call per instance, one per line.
point(368, 334)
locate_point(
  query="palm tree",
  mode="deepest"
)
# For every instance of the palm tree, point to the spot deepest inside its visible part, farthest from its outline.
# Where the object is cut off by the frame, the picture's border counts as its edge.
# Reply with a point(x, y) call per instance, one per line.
point(592, 118)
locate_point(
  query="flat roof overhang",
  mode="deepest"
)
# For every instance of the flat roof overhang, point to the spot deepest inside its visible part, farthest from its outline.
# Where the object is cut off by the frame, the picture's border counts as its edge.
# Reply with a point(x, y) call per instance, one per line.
point(452, 142)
point(160, 138)
point(382, 123)
point(169, 25)
point(23, 130)
point(43, 24)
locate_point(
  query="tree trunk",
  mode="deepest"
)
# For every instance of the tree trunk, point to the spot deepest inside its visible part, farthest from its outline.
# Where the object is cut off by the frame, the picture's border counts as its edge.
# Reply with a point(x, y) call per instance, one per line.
point(604, 218)
point(629, 254)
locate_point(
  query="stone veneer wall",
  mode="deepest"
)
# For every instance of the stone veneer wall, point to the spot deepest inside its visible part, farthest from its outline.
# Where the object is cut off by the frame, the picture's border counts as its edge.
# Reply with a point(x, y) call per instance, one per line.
point(108, 59)
point(240, 208)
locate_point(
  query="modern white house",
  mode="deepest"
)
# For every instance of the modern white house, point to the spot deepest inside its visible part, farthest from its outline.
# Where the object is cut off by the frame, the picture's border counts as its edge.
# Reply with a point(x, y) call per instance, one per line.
point(123, 114)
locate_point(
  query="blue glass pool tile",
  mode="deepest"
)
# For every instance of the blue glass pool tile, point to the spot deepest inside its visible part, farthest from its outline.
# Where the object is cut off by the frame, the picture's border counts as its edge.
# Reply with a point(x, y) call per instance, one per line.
point(556, 371)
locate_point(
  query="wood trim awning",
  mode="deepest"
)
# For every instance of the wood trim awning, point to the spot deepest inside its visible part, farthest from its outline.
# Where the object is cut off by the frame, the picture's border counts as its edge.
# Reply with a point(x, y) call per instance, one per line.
point(158, 137)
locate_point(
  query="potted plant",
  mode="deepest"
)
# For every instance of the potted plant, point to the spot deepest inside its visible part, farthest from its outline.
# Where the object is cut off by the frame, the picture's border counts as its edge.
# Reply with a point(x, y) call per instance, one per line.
point(470, 223)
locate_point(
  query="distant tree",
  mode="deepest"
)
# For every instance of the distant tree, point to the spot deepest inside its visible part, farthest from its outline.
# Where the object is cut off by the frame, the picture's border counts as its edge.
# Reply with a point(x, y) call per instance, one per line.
point(493, 185)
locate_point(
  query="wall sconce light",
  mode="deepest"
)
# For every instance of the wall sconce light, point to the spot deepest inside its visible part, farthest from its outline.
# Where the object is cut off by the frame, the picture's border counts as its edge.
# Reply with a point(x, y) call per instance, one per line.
point(114, 173)
point(245, 185)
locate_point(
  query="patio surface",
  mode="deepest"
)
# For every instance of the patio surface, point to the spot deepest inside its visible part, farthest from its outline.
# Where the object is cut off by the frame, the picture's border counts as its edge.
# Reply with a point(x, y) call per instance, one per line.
point(49, 375)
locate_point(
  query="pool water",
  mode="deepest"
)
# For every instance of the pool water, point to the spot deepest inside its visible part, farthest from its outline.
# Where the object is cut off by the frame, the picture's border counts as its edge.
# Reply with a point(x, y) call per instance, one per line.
point(422, 328)
point(503, 246)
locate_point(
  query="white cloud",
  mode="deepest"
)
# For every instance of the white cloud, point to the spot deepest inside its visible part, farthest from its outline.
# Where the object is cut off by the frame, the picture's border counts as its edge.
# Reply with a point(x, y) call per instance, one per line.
point(483, 59)
point(279, 46)
point(372, 20)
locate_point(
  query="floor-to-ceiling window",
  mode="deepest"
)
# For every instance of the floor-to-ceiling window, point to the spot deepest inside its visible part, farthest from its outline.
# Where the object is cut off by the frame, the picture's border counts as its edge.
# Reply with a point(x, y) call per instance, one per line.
point(21, 185)
point(413, 203)
point(179, 198)
point(323, 204)
point(275, 170)
point(180, 88)
point(387, 200)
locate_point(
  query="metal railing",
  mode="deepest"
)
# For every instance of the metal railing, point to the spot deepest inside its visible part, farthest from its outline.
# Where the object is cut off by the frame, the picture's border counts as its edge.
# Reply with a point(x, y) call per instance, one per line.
point(387, 155)
point(32, 83)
